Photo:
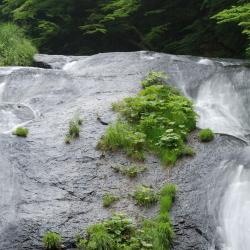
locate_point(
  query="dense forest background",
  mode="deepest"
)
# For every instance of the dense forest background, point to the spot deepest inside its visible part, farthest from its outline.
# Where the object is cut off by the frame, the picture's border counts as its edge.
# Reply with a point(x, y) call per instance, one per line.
point(173, 26)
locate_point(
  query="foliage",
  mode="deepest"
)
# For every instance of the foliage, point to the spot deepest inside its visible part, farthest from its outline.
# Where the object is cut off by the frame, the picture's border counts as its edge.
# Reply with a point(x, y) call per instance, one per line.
point(154, 78)
point(131, 171)
point(145, 196)
point(74, 129)
point(122, 136)
point(158, 119)
point(52, 241)
point(119, 232)
point(92, 26)
point(108, 199)
point(15, 49)
point(21, 132)
point(237, 14)
point(206, 135)
point(188, 151)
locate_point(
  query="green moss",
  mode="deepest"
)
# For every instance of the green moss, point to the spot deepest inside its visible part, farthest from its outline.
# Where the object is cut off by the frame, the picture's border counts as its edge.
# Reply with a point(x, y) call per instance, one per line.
point(52, 241)
point(21, 132)
point(206, 135)
point(108, 199)
point(15, 49)
point(145, 196)
point(158, 120)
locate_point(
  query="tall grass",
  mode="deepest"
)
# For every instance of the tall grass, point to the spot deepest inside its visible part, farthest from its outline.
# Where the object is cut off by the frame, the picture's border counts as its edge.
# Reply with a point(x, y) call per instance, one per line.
point(15, 49)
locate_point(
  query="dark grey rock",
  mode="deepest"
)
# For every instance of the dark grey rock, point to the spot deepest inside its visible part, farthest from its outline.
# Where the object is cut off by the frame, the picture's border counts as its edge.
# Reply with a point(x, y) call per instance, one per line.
point(47, 185)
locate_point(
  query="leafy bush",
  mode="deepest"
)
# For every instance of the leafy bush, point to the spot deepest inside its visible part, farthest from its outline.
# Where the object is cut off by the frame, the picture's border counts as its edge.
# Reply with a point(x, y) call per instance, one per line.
point(15, 49)
point(145, 196)
point(154, 78)
point(20, 131)
point(158, 119)
point(206, 135)
point(74, 129)
point(131, 172)
point(52, 241)
point(109, 199)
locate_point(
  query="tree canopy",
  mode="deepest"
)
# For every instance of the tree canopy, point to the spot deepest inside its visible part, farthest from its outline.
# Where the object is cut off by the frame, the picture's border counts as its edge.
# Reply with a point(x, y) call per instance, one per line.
point(197, 27)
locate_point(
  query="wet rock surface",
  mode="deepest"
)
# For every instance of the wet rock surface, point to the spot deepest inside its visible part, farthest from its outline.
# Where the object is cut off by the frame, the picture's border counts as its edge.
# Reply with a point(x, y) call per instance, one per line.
point(48, 185)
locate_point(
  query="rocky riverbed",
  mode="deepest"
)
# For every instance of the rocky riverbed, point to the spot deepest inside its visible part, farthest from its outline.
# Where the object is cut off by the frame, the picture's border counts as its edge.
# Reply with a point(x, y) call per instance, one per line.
point(48, 185)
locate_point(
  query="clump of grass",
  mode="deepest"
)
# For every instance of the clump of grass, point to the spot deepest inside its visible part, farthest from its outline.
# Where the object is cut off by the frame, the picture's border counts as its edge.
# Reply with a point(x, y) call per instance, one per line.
point(15, 49)
point(52, 241)
point(21, 132)
point(206, 135)
point(130, 172)
point(158, 120)
point(188, 151)
point(167, 196)
point(74, 130)
point(108, 199)
point(145, 196)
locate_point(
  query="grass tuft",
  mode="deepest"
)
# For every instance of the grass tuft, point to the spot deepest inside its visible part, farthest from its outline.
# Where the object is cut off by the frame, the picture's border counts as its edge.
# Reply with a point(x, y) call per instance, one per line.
point(52, 241)
point(74, 129)
point(145, 196)
point(108, 199)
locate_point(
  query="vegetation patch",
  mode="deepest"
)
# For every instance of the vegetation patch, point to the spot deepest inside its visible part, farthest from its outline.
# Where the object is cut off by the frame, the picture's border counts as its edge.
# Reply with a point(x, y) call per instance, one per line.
point(158, 120)
point(74, 129)
point(108, 199)
point(15, 49)
point(21, 132)
point(52, 241)
point(130, 172)
point(145, 196)
point(206, 135)
point(119, 232)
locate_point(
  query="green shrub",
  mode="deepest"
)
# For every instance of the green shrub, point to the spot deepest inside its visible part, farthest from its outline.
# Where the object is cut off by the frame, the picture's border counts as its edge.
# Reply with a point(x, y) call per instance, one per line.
point(145, 196)
point(130, 172)
point(109, 199)
point(52, 241)
point(15, 49)
point(154, 78)
point(206, 135)
point(20, 131)
point(74, 129)
point(158, 120)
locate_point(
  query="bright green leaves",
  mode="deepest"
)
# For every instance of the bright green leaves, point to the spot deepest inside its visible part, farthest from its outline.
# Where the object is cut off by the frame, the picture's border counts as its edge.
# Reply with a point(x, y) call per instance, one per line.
point(237, 14)
point(158, 119)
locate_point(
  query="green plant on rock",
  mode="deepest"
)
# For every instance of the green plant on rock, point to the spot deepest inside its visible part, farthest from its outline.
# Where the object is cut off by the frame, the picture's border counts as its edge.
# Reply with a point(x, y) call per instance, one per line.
point(119, 232)
point(74, 129)
point(154, 78)
point(131, 171)
point(206, 135)
point(21, 132)
point(158, 120)
point(108, 199)
point(145, 196)
point(52, 241)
